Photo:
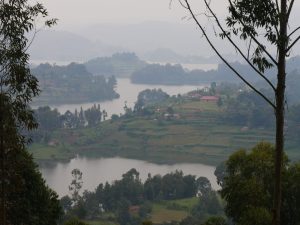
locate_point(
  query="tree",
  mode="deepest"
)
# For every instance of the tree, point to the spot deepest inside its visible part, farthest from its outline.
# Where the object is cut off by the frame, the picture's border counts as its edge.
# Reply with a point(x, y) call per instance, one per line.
point(93, 115)
point(74, 221)
point(247, 20)
point(203, 185)
point(215, 221)
point(76, 185)
point(248, 183)
point(17, 88)
point(29, 199)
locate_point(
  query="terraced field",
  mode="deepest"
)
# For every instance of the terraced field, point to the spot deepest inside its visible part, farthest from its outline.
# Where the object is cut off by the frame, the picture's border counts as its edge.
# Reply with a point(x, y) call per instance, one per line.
point(197, 136)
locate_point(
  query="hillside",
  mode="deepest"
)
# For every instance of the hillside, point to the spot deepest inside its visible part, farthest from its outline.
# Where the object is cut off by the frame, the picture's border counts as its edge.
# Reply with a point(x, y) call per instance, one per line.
point(195, 136)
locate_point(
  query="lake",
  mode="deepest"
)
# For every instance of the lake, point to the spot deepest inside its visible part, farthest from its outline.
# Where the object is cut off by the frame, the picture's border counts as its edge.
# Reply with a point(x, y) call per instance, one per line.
point(96, 171)
point(128, 93)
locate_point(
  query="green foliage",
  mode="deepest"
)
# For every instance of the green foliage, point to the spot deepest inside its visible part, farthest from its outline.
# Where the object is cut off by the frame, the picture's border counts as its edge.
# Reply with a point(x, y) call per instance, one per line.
point(29, 199)
point(248, 109)
point(247, 17)
point(247, 187)
point(93, 115)
point(118, 65)
point(215, 221)
point(209, 205)
point(74, 221)
point(76, 185)
point(24, 196)
point(131, 201)
point(147, 222)
point(291, 195)
point(252, 175)
point(66, 203)
point(170, 186)
point(148, 98)
point(159, 74)
point(203, 185)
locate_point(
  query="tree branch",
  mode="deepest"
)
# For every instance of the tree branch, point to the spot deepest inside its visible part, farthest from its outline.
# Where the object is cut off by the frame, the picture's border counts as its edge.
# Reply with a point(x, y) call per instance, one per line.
point(290, 9)
point(294, 31)
point(277, 6)
point(237, 48)
point(256, 41)
point(290, 47)
point(224, 60)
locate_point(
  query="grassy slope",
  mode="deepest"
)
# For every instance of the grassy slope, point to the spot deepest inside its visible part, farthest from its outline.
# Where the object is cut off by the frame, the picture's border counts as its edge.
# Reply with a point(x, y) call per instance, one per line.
point(196, 137)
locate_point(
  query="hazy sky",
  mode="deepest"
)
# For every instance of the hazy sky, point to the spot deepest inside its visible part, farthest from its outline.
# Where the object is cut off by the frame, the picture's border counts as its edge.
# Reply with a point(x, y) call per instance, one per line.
point(82, 12)
point(74, 15)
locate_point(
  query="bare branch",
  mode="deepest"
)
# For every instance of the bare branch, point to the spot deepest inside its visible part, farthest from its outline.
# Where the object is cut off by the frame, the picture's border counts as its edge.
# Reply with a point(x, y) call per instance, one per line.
point(224, 60)
point(256, 41)
point(237, 48)
point(182, 4)
point(290, 47)
point(294, 31)
point(290, 9)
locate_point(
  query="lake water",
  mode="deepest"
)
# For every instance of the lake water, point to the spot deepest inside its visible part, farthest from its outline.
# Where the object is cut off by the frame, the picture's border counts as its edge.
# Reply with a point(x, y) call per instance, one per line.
point(128, 93)
point(96, 171)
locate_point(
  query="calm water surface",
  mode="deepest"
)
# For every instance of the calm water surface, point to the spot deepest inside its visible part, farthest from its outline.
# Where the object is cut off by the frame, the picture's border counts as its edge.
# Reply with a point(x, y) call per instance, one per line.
point(96, 171)
point(128, 93)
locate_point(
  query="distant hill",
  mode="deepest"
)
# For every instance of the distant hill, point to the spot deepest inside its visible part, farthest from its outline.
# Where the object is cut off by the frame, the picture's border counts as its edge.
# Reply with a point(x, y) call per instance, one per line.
point(169, 56)
point(67, 46)
point(183, 38)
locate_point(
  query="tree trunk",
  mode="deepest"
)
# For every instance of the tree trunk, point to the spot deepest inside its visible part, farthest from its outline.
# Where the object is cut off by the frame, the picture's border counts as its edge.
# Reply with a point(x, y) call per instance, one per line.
point(2, 166)
point(280, 105)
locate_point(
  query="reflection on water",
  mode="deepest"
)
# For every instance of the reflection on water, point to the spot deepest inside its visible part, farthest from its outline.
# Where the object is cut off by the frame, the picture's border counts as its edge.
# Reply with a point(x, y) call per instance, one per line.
point(128, 93)
point(96, 171)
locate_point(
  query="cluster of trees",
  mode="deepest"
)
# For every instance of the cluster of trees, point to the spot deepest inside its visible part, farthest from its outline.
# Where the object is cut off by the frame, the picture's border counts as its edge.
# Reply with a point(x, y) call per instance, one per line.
point(128, 192)
point(248, 109)
point(248, 177)
point(50, 120)
point(72, 84)
point(118, 65)
point(247, 181)
point(149, 97)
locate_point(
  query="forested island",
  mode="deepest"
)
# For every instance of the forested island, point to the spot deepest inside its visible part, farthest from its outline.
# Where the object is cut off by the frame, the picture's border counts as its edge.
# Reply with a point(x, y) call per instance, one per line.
point(72, 84)
point(169, 74)
point(120, 65)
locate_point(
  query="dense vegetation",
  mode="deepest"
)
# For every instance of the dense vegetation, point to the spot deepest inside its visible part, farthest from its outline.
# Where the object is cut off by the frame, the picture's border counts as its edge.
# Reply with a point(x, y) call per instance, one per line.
point(163, 129)
point(130, 201)
point(176, 199)
point(118, 65)
point(72, 84)
point(24, 196)
point(175, 75)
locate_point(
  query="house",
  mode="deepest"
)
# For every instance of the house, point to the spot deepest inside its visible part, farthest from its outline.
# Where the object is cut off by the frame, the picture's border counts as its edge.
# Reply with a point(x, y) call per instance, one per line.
point(134, 209)
point(209, 98)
